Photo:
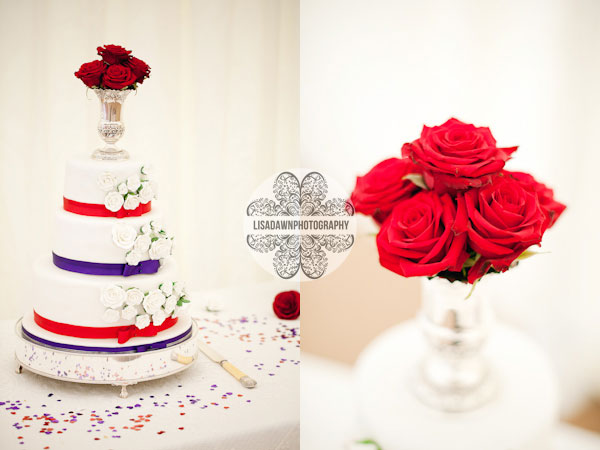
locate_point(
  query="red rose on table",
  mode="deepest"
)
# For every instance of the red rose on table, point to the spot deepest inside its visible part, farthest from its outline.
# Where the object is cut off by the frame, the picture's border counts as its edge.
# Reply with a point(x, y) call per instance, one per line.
point(417, 238)
point(287, 305)
point(91, 73)
point(139, 68)
point(377, 192)
point(457, 155)
point(502, 220)
point(113, 54)
point(552, 209)
point(118, 77)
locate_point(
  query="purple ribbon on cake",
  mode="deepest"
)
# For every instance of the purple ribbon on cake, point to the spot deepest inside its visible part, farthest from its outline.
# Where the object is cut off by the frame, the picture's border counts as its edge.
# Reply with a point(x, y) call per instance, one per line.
point(121, 349)
point(90, 268)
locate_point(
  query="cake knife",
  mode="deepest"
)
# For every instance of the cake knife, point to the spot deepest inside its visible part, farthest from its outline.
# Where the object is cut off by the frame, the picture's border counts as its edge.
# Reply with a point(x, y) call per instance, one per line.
point(236, 373)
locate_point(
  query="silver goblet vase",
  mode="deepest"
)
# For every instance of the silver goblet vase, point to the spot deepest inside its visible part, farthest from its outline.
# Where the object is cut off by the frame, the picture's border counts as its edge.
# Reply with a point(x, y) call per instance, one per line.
point(110, 125)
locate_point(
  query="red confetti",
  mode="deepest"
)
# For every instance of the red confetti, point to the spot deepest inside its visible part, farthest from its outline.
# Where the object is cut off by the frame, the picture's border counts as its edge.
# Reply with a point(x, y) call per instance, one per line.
point(161, 432)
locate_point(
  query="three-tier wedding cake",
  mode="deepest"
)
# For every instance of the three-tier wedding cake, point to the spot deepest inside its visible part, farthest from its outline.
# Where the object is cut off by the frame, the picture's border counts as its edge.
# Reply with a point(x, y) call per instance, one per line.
point(110, 283)
point(110, 286)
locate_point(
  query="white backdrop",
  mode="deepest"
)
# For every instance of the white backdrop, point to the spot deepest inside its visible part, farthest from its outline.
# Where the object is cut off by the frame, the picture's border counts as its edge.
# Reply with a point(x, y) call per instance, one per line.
point(373, 72)
point(218, 115)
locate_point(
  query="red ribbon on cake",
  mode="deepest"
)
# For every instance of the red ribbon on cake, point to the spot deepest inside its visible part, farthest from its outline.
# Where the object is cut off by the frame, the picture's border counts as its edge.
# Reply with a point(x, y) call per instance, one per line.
point(92, 209)
point(122, 333)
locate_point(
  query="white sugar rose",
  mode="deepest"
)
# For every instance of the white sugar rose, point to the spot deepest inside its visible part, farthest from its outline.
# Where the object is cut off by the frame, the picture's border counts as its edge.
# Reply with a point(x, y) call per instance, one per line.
point(156, 225)
point(113, 201)
point(170, 304)
point(122, 189)
point(131, 202)
point(167, 287)
point(179, 288)
point(134, 297)
point(111, 315)
point(123, 236)
point(133, 257)
point(106, 181)
point(153, 301)
point(142, 243)
point(113, 296)
point(179, 310)
point(158, 317)
point(129, 312)
point(146, 193)
point(147, 170)
point(160, 248)
point(146, 229)
point(142, 321)
point(133, 183)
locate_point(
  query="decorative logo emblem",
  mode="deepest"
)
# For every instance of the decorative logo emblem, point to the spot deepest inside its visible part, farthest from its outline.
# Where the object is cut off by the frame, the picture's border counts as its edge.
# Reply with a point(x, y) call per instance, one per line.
point(295, 229)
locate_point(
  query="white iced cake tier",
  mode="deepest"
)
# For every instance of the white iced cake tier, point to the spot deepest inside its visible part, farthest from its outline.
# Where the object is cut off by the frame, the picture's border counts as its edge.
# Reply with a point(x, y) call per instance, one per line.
point(88, 180)
point(79, 299)
point(103, 239)
point(183, 324)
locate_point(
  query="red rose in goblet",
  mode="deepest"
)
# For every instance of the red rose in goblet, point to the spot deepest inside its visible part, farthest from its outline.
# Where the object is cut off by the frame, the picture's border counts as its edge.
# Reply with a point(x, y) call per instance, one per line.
point(502, 220)
point(91, 73)
point(113, 54)
point(377, 192)
point(457, 155)
point(139, 68)
point(417, 238)
point(118, 77)
point(552, 208)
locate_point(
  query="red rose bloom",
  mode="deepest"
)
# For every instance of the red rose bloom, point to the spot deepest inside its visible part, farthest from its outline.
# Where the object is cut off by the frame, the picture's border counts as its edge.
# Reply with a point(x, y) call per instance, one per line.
point(113, 54)
point(457, 155)
point(91, 73)
point(287, 305)
point(417, 238)
point(377, 192)
point(139, 68)
point(552, 209)
point(502, 220)
point(118, 77)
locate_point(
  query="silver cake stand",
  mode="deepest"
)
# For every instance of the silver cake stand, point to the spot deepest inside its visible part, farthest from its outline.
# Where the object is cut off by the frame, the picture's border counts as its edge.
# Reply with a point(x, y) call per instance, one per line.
point(124, 369)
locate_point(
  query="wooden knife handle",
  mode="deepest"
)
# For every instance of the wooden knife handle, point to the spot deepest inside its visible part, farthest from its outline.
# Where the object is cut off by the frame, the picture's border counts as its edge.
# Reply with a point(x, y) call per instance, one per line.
point(236, 373)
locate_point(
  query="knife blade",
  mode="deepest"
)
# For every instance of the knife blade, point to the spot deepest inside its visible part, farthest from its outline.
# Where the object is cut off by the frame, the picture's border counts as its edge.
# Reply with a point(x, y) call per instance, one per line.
point(215, 356)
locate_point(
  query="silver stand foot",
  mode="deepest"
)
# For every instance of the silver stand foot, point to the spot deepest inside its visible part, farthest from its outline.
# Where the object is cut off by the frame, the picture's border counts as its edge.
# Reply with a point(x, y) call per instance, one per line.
point(124, 393)
point(19, 368)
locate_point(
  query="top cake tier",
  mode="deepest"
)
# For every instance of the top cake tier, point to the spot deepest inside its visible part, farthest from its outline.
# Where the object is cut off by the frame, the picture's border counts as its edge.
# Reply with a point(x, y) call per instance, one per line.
point(108, 188)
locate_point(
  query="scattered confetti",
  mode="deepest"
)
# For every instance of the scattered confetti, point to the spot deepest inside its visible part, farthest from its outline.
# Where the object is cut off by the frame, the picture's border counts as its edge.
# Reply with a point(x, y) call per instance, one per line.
point(128, 417)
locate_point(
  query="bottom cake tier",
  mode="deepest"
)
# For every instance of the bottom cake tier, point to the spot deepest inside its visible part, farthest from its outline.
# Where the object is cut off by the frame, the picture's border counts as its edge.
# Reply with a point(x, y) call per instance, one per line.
point(169, 337)
point(112, 367)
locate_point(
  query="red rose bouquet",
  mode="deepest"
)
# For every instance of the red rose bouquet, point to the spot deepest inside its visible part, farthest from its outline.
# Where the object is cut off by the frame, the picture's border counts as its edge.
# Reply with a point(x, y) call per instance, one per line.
point(449, 209)
point(116, 70)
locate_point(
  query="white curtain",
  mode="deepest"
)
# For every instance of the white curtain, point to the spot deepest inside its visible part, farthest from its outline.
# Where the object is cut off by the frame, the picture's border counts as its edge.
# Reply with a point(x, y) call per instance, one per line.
point(372, 73)
point(217, 116)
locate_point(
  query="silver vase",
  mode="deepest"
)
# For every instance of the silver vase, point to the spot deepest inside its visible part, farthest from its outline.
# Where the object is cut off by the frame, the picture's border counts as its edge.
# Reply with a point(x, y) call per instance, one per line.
point(110, 126)
point(454, 375)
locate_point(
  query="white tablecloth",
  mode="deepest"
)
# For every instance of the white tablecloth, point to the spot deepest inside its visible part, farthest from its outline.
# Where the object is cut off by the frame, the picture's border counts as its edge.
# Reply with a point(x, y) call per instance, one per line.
point(328, 396)
point(202, 407)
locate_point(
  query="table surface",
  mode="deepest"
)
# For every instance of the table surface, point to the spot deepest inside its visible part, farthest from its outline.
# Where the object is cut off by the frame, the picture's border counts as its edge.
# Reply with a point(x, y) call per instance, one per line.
point(328, 392)
point(202, 407)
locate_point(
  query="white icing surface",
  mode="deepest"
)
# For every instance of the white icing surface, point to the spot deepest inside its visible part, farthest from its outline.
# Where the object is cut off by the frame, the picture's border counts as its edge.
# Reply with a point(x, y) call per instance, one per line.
point(81, 177)
point(182, 325)
point(85, 238)
point(74, 298)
